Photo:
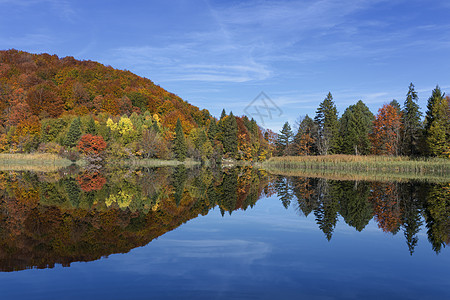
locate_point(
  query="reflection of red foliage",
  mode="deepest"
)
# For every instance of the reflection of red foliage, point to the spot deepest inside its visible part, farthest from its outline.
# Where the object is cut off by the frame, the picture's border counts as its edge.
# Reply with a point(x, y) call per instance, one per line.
point(91, 144)
point(91, 181)
point(386, 206)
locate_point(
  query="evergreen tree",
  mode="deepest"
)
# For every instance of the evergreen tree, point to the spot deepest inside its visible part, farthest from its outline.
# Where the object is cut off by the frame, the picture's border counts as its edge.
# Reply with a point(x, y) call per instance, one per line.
point(90, 126)
point(180, 146)
point(223, 114)
point(328, 127)
point(74, 133)
point(355, 126)
point(212, 130)
point(411, 128)
point(229, 135)
point(436, 124)
point(394, 103)
point(284, 140)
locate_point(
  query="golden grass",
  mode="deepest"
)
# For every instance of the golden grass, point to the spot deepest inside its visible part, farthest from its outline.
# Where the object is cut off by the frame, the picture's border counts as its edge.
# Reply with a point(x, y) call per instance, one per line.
point(379, 166)
point(39, 162)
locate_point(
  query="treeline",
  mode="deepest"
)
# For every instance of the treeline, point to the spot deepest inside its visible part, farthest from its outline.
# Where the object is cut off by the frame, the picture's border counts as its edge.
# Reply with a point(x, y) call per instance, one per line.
point(47, 104)
point(395, 130)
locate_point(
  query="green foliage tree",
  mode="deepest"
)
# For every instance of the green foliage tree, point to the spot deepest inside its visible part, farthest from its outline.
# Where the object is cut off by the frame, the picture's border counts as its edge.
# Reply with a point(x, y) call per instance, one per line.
point(223, 114)
point(74, 133)
point(437, 128)
point(355, 126)
point(229, 135)
point(179, 143)
point(91, 127)
point(328, 127)
point(284, 140)
point(212, 130)
point(412, 127)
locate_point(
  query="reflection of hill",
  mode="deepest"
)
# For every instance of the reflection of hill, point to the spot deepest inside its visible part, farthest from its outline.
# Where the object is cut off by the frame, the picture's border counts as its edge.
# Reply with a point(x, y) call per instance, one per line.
point(48, 221)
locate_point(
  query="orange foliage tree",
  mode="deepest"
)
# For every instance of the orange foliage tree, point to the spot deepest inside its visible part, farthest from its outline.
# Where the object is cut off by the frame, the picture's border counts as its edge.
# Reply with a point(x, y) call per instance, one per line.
point(91, 144)
point(385, 137)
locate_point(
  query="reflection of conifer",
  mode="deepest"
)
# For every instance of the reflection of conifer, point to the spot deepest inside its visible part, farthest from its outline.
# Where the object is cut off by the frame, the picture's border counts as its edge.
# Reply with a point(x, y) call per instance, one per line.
point(73, 191)
point(179, 144)
point(179, 179)
point(228, 191)
point(327, 212)
point(354, 203)
point(284, 190)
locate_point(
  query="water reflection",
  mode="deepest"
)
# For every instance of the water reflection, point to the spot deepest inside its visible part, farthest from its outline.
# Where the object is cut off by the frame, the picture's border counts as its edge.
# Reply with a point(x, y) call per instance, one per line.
point(395, 206)
point(59, 218)
point(62, 218)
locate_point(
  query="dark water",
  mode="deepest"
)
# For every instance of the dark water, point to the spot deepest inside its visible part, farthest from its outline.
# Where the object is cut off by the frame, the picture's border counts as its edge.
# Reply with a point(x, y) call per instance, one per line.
point(213, 234)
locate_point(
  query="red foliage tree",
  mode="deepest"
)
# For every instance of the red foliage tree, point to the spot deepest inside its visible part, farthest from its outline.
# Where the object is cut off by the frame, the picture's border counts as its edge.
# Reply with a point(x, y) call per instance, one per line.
point(91, 181)
point(91, 144)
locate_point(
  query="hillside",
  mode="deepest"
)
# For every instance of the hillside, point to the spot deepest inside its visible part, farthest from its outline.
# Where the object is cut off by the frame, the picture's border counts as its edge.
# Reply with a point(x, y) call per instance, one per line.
point(51, 86)
point(47, 103)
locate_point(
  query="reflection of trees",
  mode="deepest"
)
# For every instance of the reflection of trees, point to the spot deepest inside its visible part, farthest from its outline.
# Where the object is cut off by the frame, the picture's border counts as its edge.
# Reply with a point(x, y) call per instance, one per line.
point(437, 216)
point(386, 206)
point(393, 205)
point(49, 219)
point(354, 205)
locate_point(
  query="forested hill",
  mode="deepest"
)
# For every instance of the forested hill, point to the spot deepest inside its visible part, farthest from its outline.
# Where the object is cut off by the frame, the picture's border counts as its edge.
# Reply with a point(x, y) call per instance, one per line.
point(47, 104)
point(52, 86)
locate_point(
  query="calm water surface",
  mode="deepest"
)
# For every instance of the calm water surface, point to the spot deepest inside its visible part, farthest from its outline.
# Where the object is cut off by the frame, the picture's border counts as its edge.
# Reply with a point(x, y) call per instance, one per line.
point(238, 234)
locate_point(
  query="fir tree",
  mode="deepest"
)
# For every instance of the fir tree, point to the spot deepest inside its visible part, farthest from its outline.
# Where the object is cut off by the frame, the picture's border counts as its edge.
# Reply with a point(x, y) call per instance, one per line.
point(328, 126)
point(90, 127)
point(411, 128)
point(74, 133)
point(229, 135)
point(180, 146)
point(355, 126)
point(212, 130)
point(284, 140)
point(223, 114)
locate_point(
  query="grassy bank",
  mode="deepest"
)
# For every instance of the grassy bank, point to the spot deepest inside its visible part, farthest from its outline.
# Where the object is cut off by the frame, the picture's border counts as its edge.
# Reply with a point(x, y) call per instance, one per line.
point(39, 162)
point(363, 167)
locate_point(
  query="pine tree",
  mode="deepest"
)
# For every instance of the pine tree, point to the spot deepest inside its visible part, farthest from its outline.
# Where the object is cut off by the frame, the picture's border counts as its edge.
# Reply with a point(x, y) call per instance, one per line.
point(355, 126)
point(212, 130)
point(437, 124)
point(223, 114)
point(229, 135)
point(284, 140)
point(179, 147)
point(90, 126)
point(328, 127)
point(411, 128)
point(74, 133)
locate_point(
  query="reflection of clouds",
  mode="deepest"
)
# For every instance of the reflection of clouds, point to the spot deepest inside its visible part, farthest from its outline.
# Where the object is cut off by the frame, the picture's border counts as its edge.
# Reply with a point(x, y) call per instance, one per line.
point(239, 249)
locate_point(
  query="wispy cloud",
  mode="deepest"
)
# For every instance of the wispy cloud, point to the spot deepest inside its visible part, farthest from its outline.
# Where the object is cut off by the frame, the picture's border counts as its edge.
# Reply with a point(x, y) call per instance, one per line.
point(62, 8)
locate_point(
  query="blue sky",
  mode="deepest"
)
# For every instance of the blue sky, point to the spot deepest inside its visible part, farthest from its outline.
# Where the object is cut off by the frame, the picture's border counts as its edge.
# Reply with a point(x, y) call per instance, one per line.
point(222, 54)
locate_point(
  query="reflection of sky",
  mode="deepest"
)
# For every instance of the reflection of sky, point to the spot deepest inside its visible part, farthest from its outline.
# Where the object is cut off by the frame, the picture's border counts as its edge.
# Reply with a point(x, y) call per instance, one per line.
point(266, 252)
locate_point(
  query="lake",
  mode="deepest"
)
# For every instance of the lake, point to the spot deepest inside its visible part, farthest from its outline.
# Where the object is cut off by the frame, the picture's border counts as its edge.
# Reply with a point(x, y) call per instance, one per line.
point(177, 233)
